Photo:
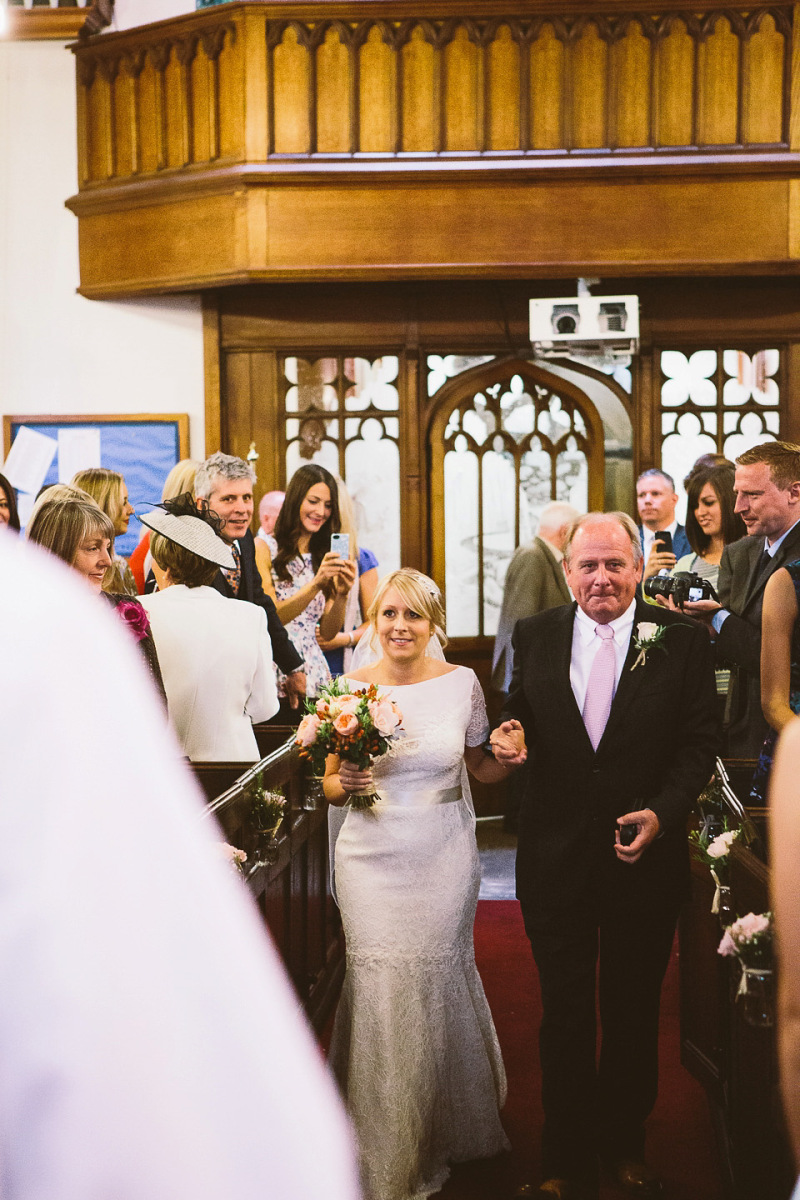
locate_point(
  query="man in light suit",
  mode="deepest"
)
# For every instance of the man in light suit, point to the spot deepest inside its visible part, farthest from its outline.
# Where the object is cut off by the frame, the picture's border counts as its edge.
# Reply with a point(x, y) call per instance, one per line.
point(534, 582)
point(226, 484)
point(616, 699)
point(656, 500)
point(767, 486)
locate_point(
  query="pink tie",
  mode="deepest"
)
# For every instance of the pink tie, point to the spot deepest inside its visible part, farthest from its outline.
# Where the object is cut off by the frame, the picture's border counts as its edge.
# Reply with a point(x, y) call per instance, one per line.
point(600, 689)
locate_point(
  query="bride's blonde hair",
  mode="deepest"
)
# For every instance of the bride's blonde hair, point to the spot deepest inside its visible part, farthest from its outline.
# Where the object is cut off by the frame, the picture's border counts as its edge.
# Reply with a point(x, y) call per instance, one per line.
point(419, 593)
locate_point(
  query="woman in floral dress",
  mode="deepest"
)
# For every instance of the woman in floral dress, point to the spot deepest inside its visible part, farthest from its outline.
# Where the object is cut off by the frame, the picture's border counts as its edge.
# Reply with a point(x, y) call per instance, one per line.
point(310, 583)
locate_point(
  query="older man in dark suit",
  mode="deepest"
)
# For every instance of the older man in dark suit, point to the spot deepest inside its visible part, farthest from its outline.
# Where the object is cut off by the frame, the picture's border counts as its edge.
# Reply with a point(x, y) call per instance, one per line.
point(767, 486)
point(226, 484)
point(534, 582)
point(617, 702)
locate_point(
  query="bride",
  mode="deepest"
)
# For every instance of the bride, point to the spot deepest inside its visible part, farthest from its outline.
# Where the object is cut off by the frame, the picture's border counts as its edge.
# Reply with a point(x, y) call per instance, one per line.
point(414, 1047)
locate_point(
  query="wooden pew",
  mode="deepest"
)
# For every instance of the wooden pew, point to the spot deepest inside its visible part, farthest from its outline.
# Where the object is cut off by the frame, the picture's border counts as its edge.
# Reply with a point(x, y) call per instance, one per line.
point(290, 879)
point(735, 1061)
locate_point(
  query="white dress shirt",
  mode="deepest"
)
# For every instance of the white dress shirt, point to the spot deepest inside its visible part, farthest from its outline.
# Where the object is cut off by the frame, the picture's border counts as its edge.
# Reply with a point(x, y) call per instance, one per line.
point(585, 644)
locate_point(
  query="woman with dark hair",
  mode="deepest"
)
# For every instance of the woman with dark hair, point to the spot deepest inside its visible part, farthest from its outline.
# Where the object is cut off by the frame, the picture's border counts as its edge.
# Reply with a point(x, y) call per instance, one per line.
point(711, 522)
point(311, 584)
point(78, 532)
point(8, 505)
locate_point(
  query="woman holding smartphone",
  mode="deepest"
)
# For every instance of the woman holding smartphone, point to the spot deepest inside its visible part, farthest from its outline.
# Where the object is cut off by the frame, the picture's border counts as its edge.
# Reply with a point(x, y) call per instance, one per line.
point(310, 580)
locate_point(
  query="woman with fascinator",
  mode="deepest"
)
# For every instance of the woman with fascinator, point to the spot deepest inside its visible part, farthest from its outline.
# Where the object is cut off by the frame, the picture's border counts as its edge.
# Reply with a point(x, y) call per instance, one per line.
point(215, 653)
point(414, 1047)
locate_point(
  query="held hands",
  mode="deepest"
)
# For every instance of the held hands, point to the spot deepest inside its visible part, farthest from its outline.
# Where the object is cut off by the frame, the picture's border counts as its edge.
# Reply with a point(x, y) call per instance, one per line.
point(508, 743)
point(649, 828)
point(332, 569)
point(353, 781)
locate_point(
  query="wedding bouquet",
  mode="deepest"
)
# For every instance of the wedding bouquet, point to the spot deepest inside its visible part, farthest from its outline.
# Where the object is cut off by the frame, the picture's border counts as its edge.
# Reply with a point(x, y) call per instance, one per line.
point(355, 726)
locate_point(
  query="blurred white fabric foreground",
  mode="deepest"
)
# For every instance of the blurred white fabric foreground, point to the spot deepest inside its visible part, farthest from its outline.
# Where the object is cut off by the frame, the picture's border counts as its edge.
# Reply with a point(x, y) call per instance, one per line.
point(150, 1045)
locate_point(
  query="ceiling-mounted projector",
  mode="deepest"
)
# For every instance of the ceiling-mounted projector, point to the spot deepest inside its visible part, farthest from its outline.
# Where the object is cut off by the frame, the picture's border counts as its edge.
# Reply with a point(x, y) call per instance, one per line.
point(606, 326)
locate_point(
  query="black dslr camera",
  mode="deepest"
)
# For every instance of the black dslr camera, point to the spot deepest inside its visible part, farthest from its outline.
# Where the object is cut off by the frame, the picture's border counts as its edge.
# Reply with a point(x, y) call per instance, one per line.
point(682, 586)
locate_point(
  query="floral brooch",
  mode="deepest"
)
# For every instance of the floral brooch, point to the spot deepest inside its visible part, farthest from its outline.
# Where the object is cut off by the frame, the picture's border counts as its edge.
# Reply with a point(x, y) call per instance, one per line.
point(649, 636)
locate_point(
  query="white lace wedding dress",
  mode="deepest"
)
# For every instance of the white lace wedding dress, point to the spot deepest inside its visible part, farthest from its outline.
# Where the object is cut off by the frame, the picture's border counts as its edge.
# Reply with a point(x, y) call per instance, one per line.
point(414, 1047)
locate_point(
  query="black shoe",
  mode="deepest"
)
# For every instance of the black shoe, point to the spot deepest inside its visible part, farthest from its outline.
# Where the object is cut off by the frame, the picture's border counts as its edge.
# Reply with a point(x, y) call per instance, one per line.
point(635, 1177)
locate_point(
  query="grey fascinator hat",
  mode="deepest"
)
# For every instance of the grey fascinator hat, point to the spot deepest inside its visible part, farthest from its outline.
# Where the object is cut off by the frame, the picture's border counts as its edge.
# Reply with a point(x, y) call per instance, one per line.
point(191, 526)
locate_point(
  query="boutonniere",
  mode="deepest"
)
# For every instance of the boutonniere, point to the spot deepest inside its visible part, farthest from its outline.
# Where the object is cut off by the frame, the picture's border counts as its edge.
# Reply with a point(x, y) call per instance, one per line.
point(649, 636)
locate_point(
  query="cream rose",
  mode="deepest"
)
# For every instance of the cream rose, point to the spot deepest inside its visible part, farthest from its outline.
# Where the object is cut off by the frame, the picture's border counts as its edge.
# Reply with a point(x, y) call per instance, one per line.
point(646, 630)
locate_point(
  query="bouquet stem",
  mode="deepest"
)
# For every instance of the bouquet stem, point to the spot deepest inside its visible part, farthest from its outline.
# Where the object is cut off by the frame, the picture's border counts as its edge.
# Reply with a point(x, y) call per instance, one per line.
point(363, 800)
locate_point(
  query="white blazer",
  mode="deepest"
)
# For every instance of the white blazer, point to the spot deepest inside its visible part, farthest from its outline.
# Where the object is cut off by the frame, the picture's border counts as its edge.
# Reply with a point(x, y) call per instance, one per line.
point(216, 661)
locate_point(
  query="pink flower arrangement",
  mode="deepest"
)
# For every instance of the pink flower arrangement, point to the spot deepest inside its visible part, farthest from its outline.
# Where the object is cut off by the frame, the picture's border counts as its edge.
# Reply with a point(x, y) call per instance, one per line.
point(232, 854)
point(355, 726)
point(749, 939)
point(135, 617)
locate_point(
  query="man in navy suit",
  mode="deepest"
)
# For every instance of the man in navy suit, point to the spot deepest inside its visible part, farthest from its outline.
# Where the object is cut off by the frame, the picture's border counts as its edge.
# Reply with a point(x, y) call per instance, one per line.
point(226, 483)
point(656, 499)
point(617, 702)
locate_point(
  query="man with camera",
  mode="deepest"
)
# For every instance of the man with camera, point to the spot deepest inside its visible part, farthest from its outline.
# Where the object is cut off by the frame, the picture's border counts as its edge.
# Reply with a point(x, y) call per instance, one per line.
point(767, 486)
point(616, 699)
point(663, 540)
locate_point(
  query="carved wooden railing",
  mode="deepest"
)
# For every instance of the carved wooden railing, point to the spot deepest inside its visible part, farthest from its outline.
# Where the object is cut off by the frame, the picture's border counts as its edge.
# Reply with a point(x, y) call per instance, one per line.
point(41, 20)
point(388, 81)
point(289, 879)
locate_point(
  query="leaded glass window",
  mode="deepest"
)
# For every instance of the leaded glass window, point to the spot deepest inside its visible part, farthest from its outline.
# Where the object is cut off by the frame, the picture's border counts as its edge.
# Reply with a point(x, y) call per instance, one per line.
point(344, 413)
point(717, 401)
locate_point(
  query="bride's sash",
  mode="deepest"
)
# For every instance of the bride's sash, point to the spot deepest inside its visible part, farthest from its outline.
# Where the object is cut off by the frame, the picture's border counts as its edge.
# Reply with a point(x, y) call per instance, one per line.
point(417, 797)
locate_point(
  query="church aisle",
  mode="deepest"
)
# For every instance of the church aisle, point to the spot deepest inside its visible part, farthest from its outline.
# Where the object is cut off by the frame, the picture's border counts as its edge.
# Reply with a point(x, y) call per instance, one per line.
point(681, 1139)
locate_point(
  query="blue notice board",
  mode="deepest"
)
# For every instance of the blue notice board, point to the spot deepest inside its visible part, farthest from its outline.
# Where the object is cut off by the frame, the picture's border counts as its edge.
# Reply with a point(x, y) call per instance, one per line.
point(143, 449)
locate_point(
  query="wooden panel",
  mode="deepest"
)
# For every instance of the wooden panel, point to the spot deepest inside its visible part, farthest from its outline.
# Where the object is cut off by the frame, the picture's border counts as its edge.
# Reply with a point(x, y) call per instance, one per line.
point(504, 88)
point(463, 86)
point(292, 84)
point(632, 57)
point(377, 94)
point(763, 84)
point(333, 93)
point(675, 82)
point(718, 70)
point(547, 90)
point(419, 89)
point(589, 61)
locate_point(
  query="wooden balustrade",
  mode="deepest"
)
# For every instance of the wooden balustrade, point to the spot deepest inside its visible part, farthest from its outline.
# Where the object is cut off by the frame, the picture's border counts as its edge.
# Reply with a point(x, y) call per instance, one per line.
point(347, 138)
point(290, 878)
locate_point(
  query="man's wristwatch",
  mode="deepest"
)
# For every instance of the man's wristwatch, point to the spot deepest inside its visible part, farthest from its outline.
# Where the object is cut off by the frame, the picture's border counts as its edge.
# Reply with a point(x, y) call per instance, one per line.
point(488, 749)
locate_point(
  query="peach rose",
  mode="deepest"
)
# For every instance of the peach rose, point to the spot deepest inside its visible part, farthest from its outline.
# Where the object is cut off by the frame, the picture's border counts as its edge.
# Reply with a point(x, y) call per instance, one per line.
point(307, 730)
point(322, 708)
point(346, 724)
point(385, 716)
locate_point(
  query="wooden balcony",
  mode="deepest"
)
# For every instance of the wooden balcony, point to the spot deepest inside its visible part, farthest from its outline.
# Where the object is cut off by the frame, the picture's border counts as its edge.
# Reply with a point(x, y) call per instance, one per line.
point(369, 138)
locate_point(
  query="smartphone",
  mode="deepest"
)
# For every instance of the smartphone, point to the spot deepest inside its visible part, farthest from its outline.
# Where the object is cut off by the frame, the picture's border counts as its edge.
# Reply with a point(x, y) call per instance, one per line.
point(665, 538)
point(340, 544)
point(627, 834)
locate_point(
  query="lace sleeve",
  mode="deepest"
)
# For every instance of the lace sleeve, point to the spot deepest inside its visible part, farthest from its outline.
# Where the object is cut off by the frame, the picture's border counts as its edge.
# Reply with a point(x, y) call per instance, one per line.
point(478, 726)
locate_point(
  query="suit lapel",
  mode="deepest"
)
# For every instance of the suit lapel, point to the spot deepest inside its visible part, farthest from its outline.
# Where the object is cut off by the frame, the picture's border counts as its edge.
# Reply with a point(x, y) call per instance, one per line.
point(560, 655)
point(787, 552)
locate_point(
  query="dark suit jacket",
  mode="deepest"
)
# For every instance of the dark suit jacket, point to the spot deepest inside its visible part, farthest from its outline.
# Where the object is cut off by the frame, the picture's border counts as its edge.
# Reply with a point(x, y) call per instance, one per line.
point(680, 542)
point(741, 589)
point(657, 752)
point(534, 582)
point(251, 590)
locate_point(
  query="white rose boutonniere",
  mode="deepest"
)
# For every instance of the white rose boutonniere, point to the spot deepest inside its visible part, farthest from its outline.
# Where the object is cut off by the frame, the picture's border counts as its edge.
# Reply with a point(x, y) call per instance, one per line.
point(649, 636)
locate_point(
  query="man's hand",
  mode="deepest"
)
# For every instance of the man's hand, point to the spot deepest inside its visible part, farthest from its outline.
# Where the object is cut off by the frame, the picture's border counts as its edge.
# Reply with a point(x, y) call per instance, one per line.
point(295, 685)
point(659, 560)
point(508, 743)
point(649, 829)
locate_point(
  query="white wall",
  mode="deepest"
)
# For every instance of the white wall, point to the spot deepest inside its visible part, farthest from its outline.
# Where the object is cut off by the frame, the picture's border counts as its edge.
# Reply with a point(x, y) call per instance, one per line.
point(142, 12)
point(60, 353)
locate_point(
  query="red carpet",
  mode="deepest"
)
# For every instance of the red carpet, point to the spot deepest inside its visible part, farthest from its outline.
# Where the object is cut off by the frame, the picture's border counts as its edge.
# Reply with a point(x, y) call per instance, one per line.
point(680, 1136)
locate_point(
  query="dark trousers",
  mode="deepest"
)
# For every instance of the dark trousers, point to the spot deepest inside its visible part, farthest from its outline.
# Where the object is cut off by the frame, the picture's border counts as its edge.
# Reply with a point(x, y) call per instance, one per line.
point(600, 1108)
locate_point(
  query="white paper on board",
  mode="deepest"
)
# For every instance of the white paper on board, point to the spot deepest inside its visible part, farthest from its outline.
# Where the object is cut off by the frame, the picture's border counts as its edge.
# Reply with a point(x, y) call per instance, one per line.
point(78, 450)
point(29, 459)
point(25, 503)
